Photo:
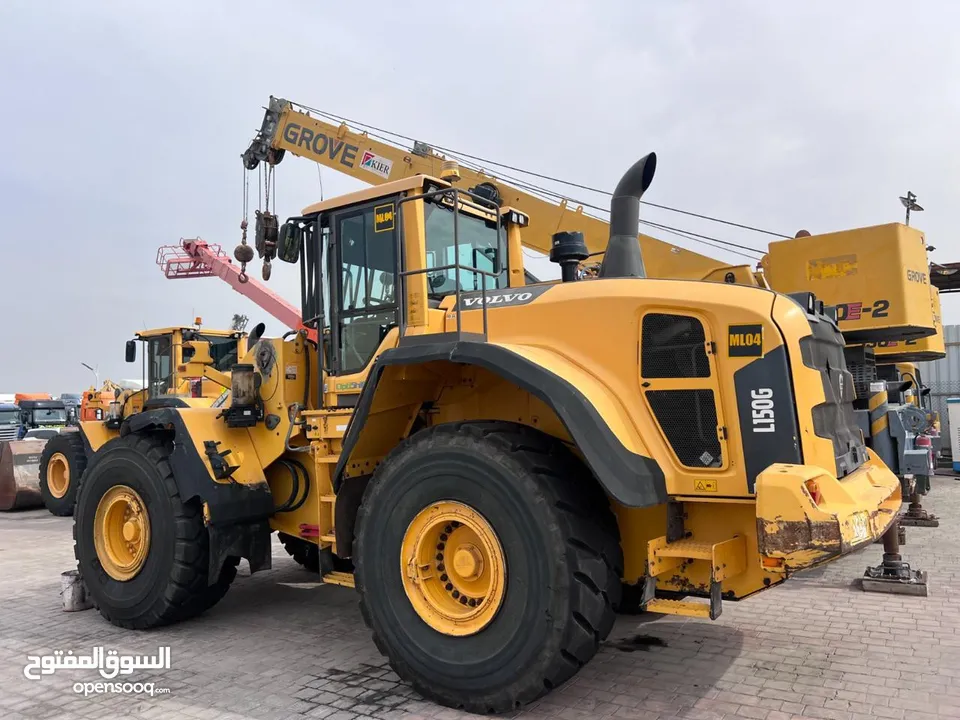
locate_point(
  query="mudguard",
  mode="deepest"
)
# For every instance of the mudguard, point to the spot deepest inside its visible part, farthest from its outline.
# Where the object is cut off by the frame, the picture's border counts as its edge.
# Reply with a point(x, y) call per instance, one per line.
point(629, 477)
point(228, 502)
point(235, 513)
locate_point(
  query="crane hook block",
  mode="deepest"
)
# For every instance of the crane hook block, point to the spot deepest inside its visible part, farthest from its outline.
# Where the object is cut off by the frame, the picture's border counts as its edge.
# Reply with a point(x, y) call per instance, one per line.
point(267, 234)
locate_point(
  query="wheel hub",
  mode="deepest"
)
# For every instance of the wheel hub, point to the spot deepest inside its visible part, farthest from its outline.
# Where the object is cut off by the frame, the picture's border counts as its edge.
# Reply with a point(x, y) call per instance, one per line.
point(468, 562)
point(453, 568)
point(131, 531)
point(122, 532)
point(58, 475)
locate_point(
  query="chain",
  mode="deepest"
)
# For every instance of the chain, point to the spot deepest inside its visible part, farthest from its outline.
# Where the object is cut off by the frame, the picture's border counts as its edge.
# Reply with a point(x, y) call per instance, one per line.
point(266, 188)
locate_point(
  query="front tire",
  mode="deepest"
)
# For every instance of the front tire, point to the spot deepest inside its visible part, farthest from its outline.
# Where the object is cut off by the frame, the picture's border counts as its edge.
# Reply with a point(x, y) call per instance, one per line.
point(62, 464)
point(156, 572)
point(535, 515)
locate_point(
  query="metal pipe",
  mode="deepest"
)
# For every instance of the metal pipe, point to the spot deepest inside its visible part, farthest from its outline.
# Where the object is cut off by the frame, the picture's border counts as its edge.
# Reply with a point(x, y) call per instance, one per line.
point(891, 545)
point(623, 257)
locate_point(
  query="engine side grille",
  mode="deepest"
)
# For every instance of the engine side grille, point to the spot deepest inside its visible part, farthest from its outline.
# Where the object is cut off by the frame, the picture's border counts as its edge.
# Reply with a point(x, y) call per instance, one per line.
point(689, 422)
point(672, 346)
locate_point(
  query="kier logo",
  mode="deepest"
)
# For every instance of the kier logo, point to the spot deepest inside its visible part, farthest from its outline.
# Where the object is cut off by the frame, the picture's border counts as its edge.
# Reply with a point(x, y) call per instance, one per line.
point(376, 164)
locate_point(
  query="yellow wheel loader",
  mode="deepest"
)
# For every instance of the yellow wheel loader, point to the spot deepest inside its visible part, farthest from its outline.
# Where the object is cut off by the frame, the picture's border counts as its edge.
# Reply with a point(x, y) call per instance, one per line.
point(183, 367)
point(496, 467)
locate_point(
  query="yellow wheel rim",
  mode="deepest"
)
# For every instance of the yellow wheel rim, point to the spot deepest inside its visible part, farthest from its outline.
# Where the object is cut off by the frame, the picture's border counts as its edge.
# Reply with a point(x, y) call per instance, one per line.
point(453, 568)
point(58, 475)
point(121, 529)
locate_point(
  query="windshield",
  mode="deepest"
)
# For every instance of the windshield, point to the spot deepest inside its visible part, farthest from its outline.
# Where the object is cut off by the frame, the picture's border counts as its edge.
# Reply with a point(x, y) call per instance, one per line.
point(48, 416)
point(9, 417)
point(224, 352)
point(479, 242)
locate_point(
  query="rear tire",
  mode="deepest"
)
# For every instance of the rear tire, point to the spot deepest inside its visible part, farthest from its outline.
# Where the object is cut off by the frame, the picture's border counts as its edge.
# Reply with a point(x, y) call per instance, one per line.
point(562, 556)
point(171, 585)
point(59, 481)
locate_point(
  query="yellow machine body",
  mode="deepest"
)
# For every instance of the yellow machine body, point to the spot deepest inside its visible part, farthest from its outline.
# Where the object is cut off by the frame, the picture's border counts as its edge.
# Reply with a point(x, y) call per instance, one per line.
point(497, 465)
point(769, 524)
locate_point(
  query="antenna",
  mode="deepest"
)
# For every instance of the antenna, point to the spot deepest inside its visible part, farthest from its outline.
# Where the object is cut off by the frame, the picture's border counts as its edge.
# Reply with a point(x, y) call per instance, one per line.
point(910, 203)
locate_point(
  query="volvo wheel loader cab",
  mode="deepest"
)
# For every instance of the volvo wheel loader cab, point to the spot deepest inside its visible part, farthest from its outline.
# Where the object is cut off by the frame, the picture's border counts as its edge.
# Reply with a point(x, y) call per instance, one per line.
point(182, 367)
point(496, 467)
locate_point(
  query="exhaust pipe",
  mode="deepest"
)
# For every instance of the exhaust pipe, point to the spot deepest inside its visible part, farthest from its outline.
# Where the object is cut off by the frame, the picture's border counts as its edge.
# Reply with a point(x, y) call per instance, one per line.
point(623, 257)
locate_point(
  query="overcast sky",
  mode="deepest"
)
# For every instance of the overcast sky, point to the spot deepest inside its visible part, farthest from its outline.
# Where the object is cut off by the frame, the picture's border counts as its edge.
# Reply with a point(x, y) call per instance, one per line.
point(123, 124)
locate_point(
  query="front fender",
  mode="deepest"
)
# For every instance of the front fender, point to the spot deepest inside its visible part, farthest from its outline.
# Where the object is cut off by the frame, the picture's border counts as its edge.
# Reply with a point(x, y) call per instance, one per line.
point(243, 497)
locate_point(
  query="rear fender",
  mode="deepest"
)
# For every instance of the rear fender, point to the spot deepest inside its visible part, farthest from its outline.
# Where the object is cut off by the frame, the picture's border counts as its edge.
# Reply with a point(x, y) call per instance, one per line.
point(594, 418)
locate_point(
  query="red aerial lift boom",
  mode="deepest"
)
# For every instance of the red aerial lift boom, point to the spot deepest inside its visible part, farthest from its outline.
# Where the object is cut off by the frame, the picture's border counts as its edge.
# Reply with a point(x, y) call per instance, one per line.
point(196, 258)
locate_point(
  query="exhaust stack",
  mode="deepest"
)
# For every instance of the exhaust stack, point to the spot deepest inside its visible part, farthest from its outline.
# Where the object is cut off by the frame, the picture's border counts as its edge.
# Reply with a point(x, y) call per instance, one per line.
point(623, 257)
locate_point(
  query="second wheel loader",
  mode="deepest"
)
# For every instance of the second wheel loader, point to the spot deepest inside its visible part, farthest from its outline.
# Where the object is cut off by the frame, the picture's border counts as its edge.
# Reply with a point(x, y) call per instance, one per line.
point(497, 467)
point(183, 367)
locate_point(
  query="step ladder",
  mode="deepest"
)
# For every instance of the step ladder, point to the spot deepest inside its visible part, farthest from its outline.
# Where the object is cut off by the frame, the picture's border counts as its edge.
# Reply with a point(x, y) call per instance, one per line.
point(328, 505)
point(336, 577)
point(727, 559)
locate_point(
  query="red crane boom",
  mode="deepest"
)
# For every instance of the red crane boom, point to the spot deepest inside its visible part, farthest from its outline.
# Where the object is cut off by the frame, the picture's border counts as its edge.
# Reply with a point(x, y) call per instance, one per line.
point(196, 258)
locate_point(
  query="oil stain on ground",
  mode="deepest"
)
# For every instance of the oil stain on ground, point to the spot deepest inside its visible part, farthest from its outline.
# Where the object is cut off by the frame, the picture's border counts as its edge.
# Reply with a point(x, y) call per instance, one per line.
point(637, 642)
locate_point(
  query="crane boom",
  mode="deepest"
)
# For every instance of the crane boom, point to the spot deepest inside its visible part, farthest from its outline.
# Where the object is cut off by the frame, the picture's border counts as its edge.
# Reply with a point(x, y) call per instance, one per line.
point(196, 258)
point(286, 128)
point(790, 265)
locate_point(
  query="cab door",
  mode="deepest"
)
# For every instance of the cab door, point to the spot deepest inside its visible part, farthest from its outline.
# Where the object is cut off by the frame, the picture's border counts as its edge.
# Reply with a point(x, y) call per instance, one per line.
point(363, 267)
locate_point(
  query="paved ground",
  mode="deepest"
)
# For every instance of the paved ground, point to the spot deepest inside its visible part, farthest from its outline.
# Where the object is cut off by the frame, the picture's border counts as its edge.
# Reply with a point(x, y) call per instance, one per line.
point(280, 646)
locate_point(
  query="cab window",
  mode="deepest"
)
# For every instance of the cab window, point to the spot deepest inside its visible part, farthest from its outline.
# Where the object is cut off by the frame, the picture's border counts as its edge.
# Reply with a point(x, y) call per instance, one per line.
point(479, 244)
point(367, 283)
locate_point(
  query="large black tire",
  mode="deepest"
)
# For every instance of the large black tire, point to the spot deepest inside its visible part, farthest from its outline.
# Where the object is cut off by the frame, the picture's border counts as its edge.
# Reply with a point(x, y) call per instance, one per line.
point(172, 584)
point(561, 547)
point(311, 557)
point(305, 553)
point(69, 444)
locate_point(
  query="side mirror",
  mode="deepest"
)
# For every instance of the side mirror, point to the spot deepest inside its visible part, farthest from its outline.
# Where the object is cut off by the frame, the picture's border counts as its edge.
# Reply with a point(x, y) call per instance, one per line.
point(131, 350)
point(291, 238)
